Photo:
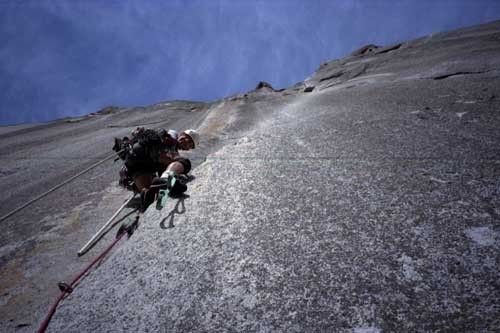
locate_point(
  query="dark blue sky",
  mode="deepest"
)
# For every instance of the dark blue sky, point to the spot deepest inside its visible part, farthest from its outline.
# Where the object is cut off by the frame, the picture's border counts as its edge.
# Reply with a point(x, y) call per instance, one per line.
point(66, 58)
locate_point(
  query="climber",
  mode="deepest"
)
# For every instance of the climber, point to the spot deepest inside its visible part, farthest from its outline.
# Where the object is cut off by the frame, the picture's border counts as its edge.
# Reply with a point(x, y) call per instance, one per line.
point(169, 158)
point(154, 152)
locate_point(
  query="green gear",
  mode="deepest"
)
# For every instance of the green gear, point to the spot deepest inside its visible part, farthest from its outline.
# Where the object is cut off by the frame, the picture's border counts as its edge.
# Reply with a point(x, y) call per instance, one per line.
point(161, 201)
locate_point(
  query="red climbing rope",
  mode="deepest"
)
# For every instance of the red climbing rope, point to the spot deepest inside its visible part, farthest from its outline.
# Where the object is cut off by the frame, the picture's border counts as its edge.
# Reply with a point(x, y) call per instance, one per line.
point(66, 289)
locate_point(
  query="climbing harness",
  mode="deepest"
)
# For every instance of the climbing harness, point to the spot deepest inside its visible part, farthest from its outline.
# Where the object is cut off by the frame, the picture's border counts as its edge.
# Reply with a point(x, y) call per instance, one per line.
point(57, 187)
point(103, 229)
point(67, 288)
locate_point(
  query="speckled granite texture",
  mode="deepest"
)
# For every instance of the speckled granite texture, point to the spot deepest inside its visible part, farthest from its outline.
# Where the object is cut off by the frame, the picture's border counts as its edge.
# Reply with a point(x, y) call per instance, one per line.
point(370, 204)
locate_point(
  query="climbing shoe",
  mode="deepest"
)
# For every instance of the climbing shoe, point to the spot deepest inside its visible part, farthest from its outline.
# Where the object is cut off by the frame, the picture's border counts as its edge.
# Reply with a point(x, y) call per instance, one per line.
point(178, 189)
point(174, 184)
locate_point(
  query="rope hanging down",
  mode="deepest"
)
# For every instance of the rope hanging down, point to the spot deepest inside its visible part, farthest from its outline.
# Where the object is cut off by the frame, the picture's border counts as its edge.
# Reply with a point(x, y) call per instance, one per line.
point(67, 288)
point(57, 187)
point(102, 231)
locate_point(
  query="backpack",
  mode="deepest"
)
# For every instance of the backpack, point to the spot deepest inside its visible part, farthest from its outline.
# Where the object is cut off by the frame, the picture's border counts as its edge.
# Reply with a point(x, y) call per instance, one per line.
point(144, 142)
point(147, 142)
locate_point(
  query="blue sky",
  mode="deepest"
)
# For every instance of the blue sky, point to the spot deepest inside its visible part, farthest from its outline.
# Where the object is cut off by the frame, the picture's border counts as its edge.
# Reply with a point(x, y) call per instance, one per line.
point(67, 57)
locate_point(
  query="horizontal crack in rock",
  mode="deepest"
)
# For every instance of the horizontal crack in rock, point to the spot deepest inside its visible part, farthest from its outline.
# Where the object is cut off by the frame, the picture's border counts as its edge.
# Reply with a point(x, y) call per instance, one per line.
point(333, 76)
point(389, 49)
point(441, 77)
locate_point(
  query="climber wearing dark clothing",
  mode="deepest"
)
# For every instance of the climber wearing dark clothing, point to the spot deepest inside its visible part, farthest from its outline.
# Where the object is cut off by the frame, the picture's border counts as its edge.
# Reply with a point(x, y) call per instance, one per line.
point(151, 153)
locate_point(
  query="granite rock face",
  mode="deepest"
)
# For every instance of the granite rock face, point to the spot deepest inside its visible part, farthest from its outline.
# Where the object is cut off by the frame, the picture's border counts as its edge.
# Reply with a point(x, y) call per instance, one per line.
point(370, 204)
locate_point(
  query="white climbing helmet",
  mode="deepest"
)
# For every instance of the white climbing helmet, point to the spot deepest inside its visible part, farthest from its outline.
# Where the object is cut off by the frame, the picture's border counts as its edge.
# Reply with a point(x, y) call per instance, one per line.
point(194, 135)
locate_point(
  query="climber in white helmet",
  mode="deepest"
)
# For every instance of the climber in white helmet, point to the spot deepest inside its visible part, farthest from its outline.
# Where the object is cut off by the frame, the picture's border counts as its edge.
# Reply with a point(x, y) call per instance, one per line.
point(186, 140)
point(154, 152)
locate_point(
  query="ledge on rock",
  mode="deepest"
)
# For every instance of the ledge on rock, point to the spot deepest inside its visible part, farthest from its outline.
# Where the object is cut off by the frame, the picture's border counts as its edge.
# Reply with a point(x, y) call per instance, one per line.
point(263, 84)
point(370, 48)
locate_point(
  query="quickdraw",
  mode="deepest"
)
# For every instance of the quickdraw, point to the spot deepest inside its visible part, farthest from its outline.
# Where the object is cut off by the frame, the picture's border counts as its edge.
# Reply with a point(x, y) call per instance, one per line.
point(162, 197)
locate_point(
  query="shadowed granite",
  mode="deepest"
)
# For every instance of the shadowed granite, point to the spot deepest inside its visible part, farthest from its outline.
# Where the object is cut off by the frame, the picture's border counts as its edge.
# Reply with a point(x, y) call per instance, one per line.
point(370, 204)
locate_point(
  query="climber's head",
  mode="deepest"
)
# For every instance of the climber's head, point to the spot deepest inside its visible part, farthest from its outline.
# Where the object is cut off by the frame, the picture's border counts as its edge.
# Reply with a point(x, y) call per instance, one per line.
point(188, 139)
